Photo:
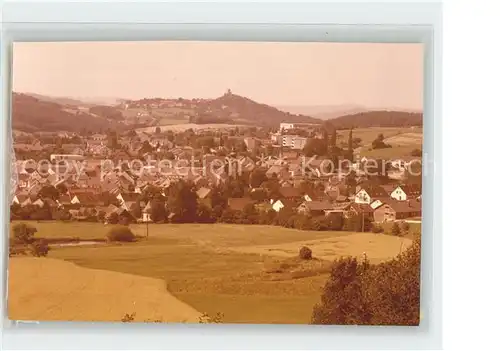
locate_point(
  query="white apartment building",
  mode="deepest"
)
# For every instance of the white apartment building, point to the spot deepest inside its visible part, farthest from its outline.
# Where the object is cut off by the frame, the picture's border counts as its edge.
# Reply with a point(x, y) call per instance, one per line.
point(293, 141)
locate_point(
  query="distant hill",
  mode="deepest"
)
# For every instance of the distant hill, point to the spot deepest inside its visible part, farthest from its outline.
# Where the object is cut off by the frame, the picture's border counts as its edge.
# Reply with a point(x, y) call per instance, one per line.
point(228, 109)
point(77, 101)
point(243, 110)
point(57, 100)
point(377, 119)
point(30, 114)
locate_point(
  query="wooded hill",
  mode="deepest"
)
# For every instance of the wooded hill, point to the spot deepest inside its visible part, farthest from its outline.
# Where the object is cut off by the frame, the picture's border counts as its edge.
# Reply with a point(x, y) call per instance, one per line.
point(30, 114)
point(376, 119)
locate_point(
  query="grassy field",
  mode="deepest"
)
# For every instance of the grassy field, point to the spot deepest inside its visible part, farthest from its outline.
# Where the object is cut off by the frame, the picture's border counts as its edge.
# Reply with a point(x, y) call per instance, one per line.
point(390, 153)
point(367, 135)
point(223, 268)
point(50, 289)
point(402, 140)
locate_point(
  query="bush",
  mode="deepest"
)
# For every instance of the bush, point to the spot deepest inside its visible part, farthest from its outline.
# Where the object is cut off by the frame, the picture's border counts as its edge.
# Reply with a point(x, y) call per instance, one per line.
point(120, 233)
point(377, 228)
point(205, 318)
point(405, 226)
point(305, 253)
point(332, 222)
point(416, 153)
point(40, 248)
point(23, 233)
point(395, 229)
point(128, 317)
point(123, 220)
point(302, 222)
point(113, 218)
point(365, 294)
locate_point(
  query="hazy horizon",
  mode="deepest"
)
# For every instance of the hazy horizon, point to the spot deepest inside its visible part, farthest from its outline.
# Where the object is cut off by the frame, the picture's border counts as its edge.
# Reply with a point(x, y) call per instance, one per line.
point(278, 74)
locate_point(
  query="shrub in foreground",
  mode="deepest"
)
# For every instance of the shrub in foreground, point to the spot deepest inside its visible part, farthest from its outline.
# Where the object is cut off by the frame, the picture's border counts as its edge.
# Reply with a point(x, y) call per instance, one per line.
point(305, 253)
point(395, 230)
point(405, 226)
point(120, 233)
point(364, 294)
point(23, 233)
point(40, 248)
point(376, 228)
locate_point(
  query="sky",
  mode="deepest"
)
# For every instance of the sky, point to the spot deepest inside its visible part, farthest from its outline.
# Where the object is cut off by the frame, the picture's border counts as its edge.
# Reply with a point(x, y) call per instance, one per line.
point(292, 74)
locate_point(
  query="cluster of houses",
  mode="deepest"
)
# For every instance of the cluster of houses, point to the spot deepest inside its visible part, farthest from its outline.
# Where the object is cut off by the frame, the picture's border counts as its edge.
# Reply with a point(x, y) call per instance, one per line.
point(385, 203)
point(85, 189)
point(87, 171)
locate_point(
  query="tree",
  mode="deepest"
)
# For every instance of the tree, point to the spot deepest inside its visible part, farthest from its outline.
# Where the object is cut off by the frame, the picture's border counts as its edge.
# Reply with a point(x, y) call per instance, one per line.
point(405, 226)
point(205, 141)
point(49, 191)
point(394, 288)
point(41, 213)
point(378, 143)
point(113, 141)
point(218, 200)
point(257, 177)
point(113, 218)
point(333, 138)
point(343, 301)
point(62, 188)
point(204, 214)
point(249, 215)
point(315, 147)
point(333, 221)
point(228, 216)
point(24, 233)
point(136, 210)
point(350, 152)
point(101, 216)
point(355, 222)
point(183, 201)
point(158, 212)
point(258, 195)
point(395, 230)
point(131, 133)
point(39, 248)
point(146, 147)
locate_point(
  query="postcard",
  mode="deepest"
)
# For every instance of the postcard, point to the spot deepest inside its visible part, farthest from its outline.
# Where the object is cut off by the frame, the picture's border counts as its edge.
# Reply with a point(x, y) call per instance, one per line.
point(217, 182)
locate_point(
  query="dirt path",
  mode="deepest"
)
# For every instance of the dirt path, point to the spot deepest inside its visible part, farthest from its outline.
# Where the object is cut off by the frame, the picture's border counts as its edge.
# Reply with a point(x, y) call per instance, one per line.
point(51, 289)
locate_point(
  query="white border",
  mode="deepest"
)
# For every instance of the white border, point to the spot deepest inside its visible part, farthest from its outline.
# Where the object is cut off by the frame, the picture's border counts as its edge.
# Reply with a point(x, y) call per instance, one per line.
point(255, 21)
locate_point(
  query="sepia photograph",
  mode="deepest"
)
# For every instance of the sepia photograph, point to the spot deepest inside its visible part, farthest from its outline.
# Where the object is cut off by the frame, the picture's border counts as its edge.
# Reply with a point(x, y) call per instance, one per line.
point(216, 182)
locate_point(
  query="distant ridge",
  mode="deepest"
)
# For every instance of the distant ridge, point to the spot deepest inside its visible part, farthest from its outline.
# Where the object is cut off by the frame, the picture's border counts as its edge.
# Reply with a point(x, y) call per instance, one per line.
point(325, 111)
point(377, 119)
point(77, 101)
point(30, 114)
point(35, 112)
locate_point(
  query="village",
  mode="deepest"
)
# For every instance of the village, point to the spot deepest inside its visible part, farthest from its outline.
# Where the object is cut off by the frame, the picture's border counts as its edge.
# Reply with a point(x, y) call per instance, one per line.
point(232, 172)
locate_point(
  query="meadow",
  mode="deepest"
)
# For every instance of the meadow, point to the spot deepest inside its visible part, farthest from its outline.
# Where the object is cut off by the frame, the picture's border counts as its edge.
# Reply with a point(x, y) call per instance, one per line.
point(403, 140)
point(250, 274)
